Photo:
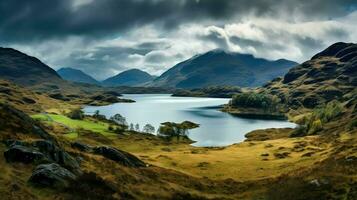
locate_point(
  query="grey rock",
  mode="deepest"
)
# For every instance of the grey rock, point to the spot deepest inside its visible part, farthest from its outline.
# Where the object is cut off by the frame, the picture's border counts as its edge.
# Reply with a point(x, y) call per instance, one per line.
point(119, 156)
point(18, 153)
point(82, 147)
point(52, 175)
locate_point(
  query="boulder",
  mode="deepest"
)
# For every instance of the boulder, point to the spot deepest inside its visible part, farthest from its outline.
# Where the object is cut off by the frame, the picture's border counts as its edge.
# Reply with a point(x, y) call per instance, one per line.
point(56, 154)
point(119, 156)
point(52, 175)
point(28, 100)
point(82, 147)
point(18, 153)
point(41, 150)
point(311, 101)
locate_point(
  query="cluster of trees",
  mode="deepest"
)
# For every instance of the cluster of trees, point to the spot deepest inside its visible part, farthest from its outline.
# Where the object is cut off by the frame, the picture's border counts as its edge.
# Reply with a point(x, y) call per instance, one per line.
point(171, 130)
point(122, 125)
point(314, 122)
point(118, 124)
point(255, 100)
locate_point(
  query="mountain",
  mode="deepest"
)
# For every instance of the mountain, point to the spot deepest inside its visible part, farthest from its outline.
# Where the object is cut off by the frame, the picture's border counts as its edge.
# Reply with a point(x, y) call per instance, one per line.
point(329, 75)
point(132, 77)
point(218, 67)
point(76, 75)
point(25, 70)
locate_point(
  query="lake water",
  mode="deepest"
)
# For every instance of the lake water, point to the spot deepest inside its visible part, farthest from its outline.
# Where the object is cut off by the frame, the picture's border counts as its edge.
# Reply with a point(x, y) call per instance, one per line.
point(216, 128)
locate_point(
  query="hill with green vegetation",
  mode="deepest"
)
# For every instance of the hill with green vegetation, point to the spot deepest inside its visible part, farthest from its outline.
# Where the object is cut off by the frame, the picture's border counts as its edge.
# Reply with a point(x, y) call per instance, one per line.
point(320, 95)
point(220, 68)
point(132, 77)
point(76, 75)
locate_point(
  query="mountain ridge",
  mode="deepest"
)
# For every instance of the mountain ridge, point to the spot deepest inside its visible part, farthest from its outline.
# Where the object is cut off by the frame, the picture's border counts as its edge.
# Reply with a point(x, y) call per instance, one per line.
point(76, 75)
point(25, 70)
point(131, 77)
point(218, 67)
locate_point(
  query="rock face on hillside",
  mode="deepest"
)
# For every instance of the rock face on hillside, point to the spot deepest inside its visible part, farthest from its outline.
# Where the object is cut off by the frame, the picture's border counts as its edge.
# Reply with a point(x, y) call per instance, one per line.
point(52, 175)
point(133, 77)
point(76, 75)
point(219, 68)
point(24, 70)
point(329, 75)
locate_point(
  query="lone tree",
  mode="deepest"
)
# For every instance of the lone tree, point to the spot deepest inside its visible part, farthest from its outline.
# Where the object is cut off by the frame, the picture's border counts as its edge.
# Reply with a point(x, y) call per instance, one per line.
point(119, 119)
point(76, 114)
point(131, 127)
point(97, 115)
point(137, 127)
point(178, 130)
point(148, 128)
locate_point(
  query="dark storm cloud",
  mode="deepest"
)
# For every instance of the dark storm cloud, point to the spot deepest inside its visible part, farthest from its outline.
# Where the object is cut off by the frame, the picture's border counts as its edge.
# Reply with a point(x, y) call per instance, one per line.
point(41, 19)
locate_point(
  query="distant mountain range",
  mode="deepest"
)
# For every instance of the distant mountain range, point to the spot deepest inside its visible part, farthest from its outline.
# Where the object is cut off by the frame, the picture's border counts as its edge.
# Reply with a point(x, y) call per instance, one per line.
point(132, 77)
point(214, 68)
point(217, 68)
point(76, 75)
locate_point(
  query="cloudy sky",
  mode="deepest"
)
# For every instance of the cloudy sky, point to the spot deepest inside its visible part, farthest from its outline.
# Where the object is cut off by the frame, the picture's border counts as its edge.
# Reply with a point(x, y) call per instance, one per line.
point(105, 37)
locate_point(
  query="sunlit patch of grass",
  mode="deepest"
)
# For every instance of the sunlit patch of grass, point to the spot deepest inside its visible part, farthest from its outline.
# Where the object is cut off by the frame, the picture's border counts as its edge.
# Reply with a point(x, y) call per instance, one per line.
point(87, 124)
point(71, 135)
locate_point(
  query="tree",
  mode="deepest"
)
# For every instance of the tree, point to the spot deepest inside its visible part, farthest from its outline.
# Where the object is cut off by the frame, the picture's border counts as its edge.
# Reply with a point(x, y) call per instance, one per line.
point(148, 128)
point(137, 127)
point(76, 114)
point(98, 116)
point(119, 119)
point(171, 129)
point(131, 127)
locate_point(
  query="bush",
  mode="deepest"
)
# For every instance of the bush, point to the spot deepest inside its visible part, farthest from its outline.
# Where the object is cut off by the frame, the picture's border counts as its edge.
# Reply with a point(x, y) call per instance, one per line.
point(315, 127)
point(254, 100)
point(76, 114)
point(327, 113)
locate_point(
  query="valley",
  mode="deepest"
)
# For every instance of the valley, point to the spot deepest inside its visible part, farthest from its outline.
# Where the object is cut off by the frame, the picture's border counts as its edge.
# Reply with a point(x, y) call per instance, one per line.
point(51, 149)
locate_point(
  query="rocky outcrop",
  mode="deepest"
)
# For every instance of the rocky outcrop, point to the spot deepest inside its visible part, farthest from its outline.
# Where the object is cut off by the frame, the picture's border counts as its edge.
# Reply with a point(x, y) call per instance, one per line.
point(82, 147)
point(119, 156)
point(52, 175)
point(41, 151)
point(329, 75)
point(18, 153)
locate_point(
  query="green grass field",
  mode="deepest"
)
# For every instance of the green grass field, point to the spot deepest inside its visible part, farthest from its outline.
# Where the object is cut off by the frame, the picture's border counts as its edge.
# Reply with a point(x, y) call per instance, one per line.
point(87, 124)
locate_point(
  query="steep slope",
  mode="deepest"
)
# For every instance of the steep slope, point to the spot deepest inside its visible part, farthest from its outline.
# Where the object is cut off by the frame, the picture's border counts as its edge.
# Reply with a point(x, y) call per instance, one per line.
point(329, 75)
point(24, 70)
point(76, 75)
point(218, 67)
point(132, 77)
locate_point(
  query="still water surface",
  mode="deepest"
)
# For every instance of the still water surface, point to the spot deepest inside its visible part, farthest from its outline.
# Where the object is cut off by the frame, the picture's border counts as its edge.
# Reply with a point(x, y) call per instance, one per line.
point(216, 128)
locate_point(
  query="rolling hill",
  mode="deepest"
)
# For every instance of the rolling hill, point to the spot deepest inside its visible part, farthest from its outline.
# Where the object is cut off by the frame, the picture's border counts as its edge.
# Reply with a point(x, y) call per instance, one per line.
point(132, 77)
point(76, 75)
point(217, 68)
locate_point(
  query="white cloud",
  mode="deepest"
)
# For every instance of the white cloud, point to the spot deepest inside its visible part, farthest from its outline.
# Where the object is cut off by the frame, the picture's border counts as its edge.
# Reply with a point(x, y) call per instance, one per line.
point(155, 50)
